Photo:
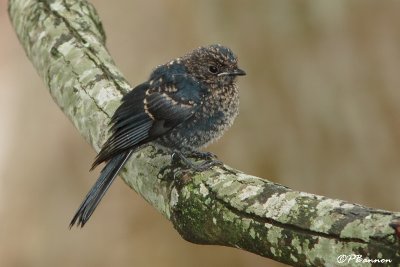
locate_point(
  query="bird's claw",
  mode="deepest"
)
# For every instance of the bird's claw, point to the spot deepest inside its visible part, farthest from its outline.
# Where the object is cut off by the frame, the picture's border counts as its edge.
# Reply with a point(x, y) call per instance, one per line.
point(202, 155)
point(208, 157)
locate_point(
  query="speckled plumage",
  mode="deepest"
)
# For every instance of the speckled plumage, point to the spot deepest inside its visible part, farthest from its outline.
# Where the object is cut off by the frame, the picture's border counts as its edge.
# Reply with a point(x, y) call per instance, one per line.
point(186, 104)
point(215, 114)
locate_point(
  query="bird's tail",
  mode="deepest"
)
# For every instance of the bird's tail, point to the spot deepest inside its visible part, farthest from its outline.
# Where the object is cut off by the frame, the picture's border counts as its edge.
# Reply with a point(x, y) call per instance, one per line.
point(96, 193)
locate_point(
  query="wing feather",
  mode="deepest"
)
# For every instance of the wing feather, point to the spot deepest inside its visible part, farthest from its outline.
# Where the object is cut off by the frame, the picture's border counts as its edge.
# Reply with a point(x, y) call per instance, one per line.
point(146, 113)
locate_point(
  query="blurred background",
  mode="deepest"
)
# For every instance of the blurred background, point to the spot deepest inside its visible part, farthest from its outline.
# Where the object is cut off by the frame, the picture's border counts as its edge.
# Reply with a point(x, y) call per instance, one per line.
point(319, 113)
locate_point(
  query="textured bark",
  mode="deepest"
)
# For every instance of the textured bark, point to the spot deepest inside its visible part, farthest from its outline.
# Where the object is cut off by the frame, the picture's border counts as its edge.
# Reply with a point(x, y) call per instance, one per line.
point(66, 43)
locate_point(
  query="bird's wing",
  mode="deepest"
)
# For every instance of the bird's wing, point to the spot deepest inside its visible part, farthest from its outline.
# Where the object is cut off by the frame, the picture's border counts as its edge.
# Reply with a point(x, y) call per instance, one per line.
point(148, 111)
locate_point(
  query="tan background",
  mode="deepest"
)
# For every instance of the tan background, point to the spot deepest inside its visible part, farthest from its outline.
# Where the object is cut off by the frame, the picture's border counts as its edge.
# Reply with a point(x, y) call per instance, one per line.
point(319, 113)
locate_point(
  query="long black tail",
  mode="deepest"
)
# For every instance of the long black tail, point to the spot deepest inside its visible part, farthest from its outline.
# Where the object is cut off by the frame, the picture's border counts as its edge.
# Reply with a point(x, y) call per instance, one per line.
point(96, 193)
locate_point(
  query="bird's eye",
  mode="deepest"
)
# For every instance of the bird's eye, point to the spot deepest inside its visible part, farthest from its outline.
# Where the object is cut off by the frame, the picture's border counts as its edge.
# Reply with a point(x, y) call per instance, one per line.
point(213, 69)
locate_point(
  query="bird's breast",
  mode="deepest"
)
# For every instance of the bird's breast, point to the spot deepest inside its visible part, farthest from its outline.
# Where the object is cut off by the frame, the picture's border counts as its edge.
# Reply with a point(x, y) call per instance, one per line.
point(213, 117)
point(222, 107)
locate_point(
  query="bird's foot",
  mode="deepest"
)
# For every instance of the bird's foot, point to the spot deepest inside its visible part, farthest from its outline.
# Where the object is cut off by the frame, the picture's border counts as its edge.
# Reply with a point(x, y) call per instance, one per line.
point(180, 158)
point(202, 155)
point(210, 160)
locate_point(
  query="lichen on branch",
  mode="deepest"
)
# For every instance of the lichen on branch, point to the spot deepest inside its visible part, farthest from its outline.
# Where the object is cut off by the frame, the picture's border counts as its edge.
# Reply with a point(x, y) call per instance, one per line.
point(65, 42)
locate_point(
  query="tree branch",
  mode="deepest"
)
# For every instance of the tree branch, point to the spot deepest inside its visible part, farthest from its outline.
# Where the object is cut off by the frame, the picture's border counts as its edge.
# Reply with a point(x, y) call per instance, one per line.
point(65, 41)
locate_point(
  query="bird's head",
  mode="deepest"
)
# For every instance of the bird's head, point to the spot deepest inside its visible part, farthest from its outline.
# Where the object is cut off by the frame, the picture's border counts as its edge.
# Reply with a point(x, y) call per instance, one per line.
point(214, 65)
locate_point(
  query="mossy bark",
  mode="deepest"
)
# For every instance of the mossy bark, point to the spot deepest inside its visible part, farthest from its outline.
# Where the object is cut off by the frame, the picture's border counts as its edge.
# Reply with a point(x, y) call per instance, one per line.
point(65, 41)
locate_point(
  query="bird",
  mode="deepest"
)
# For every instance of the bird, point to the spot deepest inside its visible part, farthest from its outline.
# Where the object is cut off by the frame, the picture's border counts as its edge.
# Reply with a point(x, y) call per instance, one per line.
point(184, 105)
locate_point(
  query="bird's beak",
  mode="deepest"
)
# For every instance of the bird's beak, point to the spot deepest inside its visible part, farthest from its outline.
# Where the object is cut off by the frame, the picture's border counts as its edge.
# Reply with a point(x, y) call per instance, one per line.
point(236, 72)
point(239, 72)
